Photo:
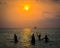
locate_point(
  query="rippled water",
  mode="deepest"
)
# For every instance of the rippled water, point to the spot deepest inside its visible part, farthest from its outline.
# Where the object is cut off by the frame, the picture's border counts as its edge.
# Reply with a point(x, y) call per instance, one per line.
point(24, 37)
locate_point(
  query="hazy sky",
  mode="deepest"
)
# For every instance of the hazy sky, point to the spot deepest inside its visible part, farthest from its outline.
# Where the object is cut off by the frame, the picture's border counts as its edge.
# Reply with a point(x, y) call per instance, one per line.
point(42, 13)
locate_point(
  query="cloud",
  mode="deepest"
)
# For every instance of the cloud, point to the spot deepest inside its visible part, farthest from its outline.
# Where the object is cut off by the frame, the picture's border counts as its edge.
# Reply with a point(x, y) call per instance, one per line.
point(51, 19)
point(56, 1)
point(3, 2)
point(51, 1)
point(52, 23)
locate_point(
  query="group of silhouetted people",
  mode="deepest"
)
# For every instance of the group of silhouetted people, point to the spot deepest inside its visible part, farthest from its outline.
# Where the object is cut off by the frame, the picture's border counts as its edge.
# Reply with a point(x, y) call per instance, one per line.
point(46, 39)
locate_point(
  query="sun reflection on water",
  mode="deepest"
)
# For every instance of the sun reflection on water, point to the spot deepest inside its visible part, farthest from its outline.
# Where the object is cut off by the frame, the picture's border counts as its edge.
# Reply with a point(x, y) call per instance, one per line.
point(25, 37)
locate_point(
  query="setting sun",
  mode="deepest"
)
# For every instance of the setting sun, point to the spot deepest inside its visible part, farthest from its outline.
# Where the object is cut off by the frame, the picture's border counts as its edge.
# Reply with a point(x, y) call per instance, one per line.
point(26, 7)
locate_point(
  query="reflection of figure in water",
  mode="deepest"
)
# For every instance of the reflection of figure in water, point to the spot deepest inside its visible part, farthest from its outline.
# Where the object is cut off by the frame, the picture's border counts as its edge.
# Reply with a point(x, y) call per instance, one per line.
point(46, 39)
point(39, 36)
point(33, 39)
point(15, 38)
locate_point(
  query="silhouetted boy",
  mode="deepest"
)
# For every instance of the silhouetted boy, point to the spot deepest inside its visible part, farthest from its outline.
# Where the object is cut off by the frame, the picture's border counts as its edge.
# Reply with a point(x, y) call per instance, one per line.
point(33, 39)
point(46, 39)
point(15, 39)
point(39, 37)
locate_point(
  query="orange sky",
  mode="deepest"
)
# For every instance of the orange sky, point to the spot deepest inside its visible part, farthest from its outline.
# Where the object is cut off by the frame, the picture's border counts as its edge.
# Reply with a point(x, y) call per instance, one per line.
point(41, 13)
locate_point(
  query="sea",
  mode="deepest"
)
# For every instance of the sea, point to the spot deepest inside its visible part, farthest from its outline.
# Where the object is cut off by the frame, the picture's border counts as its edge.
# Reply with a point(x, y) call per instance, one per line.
point(24, 37)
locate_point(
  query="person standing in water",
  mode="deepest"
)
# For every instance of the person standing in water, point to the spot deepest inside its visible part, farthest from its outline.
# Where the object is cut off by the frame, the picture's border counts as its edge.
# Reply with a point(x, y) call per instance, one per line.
point(15, 38)
point(39, 37)
point(46, 39)
point(33, 39)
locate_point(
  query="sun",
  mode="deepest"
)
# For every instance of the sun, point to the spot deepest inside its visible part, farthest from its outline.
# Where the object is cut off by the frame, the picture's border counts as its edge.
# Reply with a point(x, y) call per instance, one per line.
point(26, 7)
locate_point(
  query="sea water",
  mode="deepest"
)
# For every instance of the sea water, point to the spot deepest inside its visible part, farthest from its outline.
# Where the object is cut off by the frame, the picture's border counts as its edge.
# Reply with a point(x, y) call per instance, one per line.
point(24, 37)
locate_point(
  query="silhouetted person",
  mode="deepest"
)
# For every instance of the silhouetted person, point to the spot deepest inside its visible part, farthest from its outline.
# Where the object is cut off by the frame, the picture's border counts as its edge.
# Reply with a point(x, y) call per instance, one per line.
point(33, 39)
point(39, 37)
point(46, 39)
point(15, 38)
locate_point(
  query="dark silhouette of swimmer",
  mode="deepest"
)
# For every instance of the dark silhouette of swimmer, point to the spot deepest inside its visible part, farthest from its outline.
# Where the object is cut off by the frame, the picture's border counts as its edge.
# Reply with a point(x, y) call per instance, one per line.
point(46, 39)
point(15, 38)
point(39, 37)
point(33, 39)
